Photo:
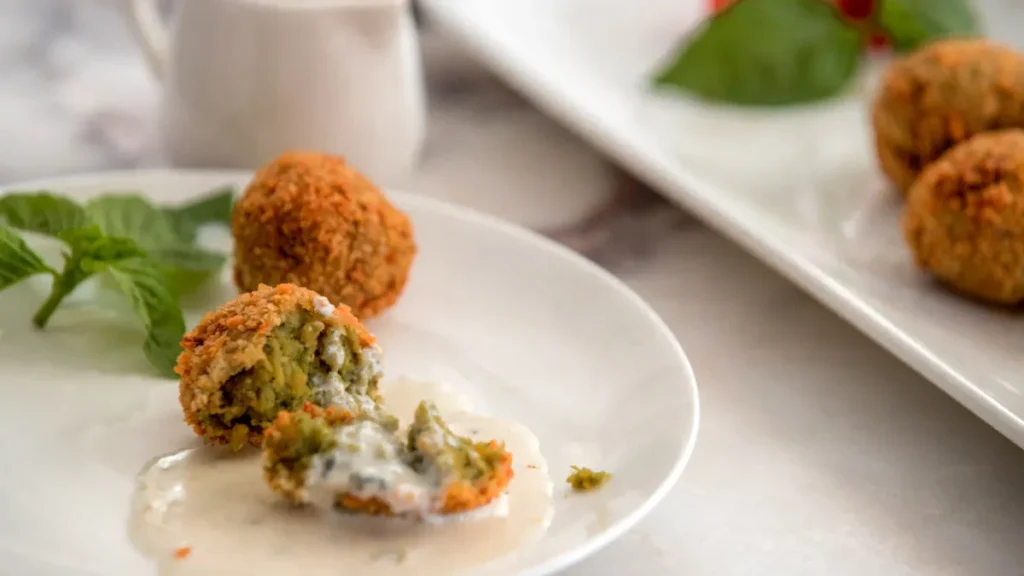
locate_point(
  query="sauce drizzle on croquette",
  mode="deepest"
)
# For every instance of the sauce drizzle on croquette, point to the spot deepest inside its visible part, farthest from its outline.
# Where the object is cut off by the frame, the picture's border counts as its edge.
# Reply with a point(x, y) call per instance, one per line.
point(366, 467)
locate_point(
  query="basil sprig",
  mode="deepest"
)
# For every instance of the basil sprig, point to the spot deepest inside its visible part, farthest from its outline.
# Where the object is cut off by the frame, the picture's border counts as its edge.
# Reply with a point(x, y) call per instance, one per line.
point(779, 52)
point(148, 252)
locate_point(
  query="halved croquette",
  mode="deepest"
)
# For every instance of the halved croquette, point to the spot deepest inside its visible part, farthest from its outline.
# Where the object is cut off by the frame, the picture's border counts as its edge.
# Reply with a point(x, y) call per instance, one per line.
point(270, 350)
point(361, 465)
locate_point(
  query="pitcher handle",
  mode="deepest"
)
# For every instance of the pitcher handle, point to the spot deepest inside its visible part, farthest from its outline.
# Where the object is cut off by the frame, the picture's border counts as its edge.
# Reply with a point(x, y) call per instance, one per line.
point(150, 32)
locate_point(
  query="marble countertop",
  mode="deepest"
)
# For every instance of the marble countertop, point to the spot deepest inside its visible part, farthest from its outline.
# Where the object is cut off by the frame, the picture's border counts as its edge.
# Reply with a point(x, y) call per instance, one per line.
point(819, 453)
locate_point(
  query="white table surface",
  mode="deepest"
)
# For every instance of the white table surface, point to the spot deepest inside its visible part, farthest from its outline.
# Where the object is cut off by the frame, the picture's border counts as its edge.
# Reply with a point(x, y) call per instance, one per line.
point(818, 452)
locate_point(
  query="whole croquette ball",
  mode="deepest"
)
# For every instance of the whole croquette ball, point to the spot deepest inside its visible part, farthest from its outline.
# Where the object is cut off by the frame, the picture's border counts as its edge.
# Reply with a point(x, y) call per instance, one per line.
point(940, 95)
point(311, 219)
point(270, 350)
point(964, 218)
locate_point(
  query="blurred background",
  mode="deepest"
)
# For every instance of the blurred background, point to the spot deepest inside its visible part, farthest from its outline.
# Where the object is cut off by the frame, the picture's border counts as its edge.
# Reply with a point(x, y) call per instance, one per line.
point(860, 466)
point(78, 96)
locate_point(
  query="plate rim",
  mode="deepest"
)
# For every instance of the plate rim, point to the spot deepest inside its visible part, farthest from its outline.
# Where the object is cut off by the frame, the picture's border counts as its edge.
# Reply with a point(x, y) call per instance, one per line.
point(688, 385)
point(674, 181)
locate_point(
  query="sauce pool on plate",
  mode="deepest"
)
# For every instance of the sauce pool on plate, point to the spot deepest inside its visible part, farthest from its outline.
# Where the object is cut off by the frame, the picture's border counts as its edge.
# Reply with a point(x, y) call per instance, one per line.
point(208, 512)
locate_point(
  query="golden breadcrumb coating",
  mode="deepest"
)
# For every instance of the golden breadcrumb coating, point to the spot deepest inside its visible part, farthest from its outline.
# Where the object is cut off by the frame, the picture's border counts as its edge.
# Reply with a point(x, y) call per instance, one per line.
point(311, 219)
point(939, 96)
point(964, 218)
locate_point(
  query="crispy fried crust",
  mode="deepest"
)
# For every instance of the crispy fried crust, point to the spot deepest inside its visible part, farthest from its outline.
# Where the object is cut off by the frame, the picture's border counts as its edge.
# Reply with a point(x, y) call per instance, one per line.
point(941, 95)
point(964, 219)
point(313, 220)
point(231, 339)
point(464, 496)
point(461, 496)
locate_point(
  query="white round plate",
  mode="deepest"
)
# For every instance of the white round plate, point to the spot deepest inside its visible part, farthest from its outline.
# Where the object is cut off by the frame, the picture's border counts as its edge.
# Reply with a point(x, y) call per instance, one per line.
point(528, 329)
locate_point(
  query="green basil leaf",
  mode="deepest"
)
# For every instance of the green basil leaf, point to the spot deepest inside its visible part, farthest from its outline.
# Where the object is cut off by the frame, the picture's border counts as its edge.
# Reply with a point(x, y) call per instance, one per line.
point(91, 252)
point(82, 236)
point(17, 260)
point(912, 23)
point(97, 254)
point(41, 212)
point(89, 242)
point(213, 207)
point(156, 305)
point(131, 216)
point(166, 237)
point(768, 52)
point(188, 258)
point(187, 267)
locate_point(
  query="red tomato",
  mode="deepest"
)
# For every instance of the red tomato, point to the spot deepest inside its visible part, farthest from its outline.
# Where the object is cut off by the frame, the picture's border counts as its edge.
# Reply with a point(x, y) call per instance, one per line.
point(719, 5)
point(857, 9)
point(878, 40)
point(853, 9)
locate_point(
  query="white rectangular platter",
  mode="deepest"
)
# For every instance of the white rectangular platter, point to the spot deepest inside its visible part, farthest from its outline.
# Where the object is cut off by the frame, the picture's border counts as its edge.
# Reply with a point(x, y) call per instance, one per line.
point(798, 188)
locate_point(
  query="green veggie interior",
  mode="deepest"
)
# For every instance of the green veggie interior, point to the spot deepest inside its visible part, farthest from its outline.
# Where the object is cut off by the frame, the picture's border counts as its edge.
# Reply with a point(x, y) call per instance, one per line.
point(435, 449)
point(431, 448)
point(283, 379)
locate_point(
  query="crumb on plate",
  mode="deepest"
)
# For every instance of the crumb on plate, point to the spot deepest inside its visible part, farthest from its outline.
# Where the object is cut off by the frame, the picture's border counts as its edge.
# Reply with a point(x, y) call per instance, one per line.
point(584, 479)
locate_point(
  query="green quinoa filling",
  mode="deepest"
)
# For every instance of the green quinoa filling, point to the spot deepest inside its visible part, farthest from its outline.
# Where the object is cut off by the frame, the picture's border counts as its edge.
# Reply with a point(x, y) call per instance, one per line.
point(306, 437)
point(434, 448)
point(583, 479)
point(303, 361)
point(429, 450)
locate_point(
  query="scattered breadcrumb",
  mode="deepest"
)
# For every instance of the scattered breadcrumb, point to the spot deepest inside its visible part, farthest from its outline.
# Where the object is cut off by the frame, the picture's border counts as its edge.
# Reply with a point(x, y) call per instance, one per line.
point(584, 479)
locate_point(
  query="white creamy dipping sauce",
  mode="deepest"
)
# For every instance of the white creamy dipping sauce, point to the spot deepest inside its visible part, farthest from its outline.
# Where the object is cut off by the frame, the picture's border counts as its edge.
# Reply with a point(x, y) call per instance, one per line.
point(216, 505)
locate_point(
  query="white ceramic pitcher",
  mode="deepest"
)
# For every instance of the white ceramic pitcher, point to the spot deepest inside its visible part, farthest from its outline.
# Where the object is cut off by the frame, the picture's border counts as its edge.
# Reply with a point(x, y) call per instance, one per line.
point(245, 80)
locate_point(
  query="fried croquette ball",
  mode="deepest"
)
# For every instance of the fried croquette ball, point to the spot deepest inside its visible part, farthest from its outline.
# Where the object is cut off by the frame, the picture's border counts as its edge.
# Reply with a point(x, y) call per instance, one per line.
point(964, 218)
point(361, 465)
point(941, 95)
point(270, 350)
point(311, 219)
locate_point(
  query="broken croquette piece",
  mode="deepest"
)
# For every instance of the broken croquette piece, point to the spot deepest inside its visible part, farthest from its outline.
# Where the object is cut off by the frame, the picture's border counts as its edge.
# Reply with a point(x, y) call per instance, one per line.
point(941, 95)
point(313, 220)
point(293, 440)
point(584, 479)
point(270, 350)
point(964, 218)
point(472, 474)
point(365, 467)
